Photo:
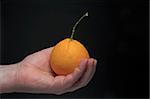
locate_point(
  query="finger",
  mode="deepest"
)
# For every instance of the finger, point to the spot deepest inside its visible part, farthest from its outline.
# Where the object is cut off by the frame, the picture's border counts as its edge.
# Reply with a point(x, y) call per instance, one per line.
point(47, 51)
point(85, 78)
point(92, 73)
point(73, 77)
point(57, 83)
point(38, 56)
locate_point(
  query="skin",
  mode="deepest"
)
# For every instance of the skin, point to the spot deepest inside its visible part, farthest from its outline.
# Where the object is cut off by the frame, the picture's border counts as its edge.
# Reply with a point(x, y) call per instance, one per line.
point(34, 75)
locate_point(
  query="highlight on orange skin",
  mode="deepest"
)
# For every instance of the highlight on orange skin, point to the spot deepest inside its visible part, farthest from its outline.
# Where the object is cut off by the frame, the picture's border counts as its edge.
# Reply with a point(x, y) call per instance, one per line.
point(67, 55)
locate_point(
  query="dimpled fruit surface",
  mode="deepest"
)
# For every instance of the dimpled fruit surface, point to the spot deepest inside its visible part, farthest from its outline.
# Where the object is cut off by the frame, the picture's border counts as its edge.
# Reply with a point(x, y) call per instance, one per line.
point(67, 55)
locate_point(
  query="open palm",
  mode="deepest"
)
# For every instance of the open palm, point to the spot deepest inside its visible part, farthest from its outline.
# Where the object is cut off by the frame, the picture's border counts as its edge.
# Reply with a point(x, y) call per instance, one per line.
point(36, 76)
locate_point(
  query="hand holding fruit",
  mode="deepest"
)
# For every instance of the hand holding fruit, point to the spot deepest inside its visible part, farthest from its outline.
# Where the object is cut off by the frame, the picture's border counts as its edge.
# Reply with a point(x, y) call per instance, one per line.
point(36, 76)
point(63, 68)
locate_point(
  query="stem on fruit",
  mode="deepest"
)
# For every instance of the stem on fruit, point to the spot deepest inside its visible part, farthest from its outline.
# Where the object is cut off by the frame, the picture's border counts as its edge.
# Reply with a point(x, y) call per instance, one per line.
point(73, 29)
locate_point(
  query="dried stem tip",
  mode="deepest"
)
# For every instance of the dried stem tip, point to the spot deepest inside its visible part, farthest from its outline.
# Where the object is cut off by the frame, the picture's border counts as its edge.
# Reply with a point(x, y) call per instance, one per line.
point(73, 29)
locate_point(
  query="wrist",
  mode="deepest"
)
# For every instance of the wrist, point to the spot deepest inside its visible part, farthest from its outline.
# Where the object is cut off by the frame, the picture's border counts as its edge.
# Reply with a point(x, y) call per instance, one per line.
point(8, 78)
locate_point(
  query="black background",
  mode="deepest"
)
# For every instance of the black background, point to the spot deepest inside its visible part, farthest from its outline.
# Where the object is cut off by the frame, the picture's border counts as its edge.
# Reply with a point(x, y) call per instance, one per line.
point(115, 33)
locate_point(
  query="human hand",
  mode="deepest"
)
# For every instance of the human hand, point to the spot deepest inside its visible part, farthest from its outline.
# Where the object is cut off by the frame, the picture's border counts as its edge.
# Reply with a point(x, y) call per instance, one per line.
point(34, 75)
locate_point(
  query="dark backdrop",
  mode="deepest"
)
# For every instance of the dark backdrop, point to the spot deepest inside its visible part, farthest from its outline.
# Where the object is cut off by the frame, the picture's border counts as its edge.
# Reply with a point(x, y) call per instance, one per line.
point(115, 33)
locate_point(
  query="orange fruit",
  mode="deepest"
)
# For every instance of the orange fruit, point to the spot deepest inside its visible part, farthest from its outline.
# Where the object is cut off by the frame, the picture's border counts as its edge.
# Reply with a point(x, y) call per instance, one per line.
point(67, 55)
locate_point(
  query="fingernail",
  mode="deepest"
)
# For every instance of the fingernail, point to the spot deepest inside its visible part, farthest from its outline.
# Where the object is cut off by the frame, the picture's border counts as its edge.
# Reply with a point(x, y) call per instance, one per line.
point(93, 60)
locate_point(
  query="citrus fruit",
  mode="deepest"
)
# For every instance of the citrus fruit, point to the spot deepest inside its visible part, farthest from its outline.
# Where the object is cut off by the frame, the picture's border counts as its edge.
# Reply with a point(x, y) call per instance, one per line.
point(67, 54)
